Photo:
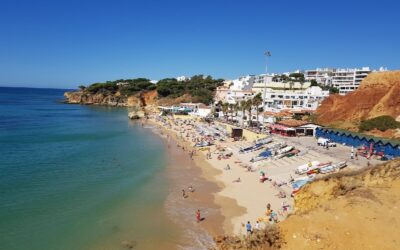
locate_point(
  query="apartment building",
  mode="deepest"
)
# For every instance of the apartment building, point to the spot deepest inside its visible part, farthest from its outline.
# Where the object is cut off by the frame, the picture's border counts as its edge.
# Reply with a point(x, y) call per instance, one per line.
point(348, 80)
point(308, 99)
point(321, 75)
point(243, 82)
point(290, 86)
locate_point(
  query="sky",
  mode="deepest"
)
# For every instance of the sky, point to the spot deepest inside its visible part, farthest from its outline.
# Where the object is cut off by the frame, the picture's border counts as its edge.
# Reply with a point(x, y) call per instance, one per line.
point(63, 44)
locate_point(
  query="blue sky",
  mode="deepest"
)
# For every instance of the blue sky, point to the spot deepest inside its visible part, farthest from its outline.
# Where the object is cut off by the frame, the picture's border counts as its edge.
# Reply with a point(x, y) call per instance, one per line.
point(67, 43)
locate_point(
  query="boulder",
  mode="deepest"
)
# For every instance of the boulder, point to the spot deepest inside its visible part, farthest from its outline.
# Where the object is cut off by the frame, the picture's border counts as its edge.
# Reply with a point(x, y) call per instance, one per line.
point(133, 115)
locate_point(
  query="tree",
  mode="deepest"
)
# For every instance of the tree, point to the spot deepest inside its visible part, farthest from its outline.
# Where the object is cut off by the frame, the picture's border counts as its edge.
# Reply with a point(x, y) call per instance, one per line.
point(333, 90)
point(257, 101)
point(225, 109)
point(314, 83)
point(243, 108)
point(249, 105)
point(291, 83)
point(231, 109)
point(236, 109)
point(298, 77)
point(82, 87)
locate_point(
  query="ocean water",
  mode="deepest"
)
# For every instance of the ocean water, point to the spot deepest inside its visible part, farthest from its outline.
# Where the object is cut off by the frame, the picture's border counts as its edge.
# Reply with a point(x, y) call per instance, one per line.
point(78, 177)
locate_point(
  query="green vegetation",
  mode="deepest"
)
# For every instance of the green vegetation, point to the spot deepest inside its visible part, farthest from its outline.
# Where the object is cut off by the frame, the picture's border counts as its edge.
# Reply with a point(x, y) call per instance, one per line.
point(125, 86)
point(102, 87)
point(382, 123)
point(297, 77)
point(246, 106)
point(332, 90)
point(200, 88)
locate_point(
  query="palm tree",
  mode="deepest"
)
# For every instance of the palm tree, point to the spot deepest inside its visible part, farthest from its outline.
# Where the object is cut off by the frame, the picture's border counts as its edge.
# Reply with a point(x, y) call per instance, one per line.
point(236, 109)
point(257, 101)
point(225, 109)
point(249, 105)
point(291, 83)
point(243, 108)
point(231, 109)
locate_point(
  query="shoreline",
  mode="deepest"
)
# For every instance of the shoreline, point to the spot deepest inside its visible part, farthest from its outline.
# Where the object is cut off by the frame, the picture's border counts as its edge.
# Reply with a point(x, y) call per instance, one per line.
point(221, 222)
point(246, 200)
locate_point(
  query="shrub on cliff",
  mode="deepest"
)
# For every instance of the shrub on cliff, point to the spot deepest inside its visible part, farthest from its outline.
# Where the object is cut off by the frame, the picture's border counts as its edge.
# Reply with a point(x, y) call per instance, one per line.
point(102, 87)
point(382, 123)
point(199, 87)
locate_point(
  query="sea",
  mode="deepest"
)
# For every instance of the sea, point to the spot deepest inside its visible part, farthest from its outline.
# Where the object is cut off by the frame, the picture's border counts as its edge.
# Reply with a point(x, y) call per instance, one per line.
point(79, 177)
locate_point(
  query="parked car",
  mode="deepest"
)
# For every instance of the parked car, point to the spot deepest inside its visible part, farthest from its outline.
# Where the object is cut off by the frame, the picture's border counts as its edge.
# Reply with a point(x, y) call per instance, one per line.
point(324, 142)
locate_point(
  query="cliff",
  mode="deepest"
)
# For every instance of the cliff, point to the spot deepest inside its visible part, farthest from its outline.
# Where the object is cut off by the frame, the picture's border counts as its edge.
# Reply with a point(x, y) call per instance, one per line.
point(378, 94)
point(139, 101)
point(354, 211)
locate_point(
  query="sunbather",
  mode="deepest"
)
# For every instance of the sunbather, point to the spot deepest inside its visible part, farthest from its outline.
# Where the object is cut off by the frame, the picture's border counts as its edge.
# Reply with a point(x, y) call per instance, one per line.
point(237, 180)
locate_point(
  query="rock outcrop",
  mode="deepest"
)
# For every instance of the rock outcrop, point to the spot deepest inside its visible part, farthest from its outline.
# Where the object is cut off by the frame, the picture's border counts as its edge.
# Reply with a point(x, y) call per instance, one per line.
point(378, 94)
point(82, 97)
point(139, 101)
point(133, 115)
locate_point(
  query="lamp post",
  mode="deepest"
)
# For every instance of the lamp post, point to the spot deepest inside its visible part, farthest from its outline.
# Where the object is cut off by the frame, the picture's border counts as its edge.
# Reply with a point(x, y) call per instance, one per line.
point(266, 54)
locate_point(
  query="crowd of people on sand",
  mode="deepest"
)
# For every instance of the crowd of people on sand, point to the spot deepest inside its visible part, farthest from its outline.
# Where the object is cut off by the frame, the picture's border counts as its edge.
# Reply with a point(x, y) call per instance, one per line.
point(271, 217)
point(186, 131)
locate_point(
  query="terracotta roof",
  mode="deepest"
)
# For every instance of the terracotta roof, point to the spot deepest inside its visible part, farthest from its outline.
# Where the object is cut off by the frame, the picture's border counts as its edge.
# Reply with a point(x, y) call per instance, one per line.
point(283, 113)
point(293, 123)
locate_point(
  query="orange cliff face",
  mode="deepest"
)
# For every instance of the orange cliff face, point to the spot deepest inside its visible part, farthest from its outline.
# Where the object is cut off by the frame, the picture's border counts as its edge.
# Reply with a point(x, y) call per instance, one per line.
point(109, 99)
point(378, 94)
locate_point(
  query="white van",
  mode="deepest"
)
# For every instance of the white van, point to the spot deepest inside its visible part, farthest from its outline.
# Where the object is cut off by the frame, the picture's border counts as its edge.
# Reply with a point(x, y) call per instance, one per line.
point(323, 142)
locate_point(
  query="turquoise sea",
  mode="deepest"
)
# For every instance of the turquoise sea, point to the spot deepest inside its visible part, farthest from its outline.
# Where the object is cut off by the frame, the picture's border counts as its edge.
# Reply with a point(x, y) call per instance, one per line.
point(78, 177)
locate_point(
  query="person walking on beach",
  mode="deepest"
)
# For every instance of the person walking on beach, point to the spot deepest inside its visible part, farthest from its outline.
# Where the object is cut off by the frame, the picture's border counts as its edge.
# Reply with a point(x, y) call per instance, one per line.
point(198, 216)
point(257, 225)
point(248, 228)
point(183, 193)
point(352, 155)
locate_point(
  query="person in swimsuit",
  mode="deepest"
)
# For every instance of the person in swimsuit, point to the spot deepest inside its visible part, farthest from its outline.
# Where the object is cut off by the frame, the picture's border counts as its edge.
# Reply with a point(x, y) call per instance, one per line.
point(198, 216)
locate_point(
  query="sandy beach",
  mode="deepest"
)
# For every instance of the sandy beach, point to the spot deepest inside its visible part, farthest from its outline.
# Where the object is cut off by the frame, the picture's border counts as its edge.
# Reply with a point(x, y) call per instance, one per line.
point(240, 202)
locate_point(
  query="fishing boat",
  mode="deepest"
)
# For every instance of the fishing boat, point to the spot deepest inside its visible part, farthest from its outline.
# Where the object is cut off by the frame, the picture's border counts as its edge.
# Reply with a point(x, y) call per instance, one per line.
point(300, 182)
point(302, 169)
point(258, 145)
point(269, 151)
point(316, 169)
point(283, 152)
point(333, 167)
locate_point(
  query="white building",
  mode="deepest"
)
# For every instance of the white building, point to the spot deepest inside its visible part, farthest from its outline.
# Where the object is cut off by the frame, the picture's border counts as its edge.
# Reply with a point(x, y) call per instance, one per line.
point(322, 76)
point(236, 96)
point(348, 80)
point(308, 99)
point(242, 83)
point(182, 78)
point(290, 86)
